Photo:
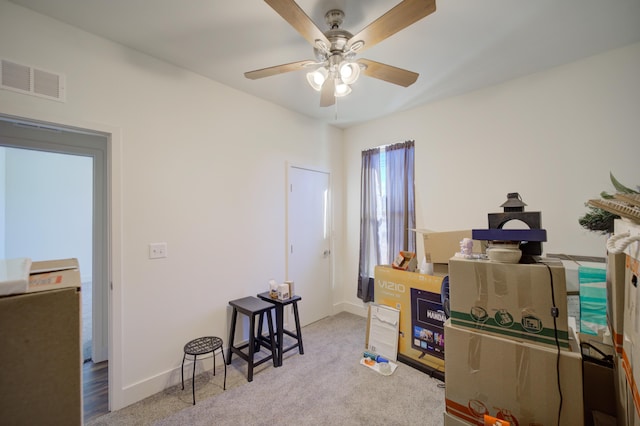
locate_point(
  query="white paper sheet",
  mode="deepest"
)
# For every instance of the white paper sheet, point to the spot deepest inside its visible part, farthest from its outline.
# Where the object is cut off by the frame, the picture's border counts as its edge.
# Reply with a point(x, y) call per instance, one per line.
point(384, 323)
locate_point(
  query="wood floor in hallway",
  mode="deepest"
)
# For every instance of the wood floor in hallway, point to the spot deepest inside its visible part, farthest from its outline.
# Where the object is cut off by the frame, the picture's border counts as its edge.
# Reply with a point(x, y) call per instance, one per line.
point(95, 388)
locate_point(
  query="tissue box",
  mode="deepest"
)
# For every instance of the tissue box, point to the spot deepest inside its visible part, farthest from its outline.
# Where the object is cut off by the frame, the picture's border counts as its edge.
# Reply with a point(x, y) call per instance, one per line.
point(283, 292)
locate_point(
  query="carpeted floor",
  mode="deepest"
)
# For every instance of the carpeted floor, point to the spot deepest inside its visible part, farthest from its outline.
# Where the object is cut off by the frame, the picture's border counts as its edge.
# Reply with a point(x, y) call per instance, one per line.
point(326, 385)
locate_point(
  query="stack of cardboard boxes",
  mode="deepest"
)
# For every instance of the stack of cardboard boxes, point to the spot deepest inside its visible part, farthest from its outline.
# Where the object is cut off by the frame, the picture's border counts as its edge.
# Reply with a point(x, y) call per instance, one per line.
point(511, 356)
point(623, 315)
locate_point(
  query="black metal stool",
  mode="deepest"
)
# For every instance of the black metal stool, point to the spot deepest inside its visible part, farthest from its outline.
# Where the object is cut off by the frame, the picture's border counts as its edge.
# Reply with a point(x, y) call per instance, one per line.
point(202, 346)
point(253, 308)
point(280, 330)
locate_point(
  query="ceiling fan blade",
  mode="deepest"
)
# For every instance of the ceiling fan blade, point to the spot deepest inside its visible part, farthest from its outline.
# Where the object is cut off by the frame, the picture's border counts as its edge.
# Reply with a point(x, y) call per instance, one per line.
point(327, 94)
point(401, 16)
point(295, 16)
point(278, 69)
point(388, 73)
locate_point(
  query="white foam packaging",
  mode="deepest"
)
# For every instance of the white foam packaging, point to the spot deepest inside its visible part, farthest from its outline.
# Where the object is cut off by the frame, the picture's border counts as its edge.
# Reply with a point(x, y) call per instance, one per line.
point(14, 275)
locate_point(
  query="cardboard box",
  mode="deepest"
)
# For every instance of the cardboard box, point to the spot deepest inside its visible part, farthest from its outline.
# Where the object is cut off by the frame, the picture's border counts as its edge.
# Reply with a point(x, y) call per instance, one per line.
point(450, 420)
point(405, 261)
point(439, 247)
point(619, 387)
point(510, 380)
point(616, 264)
point(510, 300)
point(629, 395)
point(419, 300)
point(54, 274)
point(41, 358)
point(24, 276)
point(631, 320)
point(631, 311)
point(598, 376)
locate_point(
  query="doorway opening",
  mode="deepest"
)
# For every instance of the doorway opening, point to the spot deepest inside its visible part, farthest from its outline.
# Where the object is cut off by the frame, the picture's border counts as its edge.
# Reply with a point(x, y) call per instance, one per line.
point(55, 198)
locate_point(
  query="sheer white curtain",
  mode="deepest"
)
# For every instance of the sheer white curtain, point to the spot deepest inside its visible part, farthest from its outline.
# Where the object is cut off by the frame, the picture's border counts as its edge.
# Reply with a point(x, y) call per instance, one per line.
point(387, 210)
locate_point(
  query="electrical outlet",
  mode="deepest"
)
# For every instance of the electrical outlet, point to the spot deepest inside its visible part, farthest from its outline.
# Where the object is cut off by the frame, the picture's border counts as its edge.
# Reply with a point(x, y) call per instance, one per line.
point(157, 250)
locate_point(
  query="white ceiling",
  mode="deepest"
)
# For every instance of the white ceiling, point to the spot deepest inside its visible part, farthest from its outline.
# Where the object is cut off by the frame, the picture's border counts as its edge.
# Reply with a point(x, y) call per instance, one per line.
point(463, 46)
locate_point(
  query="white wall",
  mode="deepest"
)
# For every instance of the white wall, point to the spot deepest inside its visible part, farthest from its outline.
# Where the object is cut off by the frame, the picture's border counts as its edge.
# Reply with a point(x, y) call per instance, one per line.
point(48, 205)
point(195, 164)
point(553, 137)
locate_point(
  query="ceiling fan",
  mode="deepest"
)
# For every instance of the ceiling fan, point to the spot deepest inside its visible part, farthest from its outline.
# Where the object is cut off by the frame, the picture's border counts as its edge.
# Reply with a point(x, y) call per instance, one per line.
point(335, 68)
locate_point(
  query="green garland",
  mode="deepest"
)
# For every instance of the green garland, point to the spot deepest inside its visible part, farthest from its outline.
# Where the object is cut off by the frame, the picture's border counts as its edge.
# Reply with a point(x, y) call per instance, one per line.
point(598, 220)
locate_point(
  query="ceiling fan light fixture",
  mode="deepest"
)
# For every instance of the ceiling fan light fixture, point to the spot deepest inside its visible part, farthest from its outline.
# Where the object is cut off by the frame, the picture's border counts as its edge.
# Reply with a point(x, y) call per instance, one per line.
point(317, 78)
point(342, 89)
point(349, 72)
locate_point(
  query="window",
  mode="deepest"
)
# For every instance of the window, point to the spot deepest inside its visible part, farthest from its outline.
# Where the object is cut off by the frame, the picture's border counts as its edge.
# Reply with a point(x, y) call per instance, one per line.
point(387, 209)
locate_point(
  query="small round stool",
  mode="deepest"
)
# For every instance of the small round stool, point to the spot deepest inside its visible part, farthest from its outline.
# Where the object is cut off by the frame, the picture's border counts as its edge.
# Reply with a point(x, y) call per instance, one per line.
point(202, 346)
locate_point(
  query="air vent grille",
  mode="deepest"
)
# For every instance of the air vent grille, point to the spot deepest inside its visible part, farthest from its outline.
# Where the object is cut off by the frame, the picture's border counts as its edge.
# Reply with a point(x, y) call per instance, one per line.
point(31, 81)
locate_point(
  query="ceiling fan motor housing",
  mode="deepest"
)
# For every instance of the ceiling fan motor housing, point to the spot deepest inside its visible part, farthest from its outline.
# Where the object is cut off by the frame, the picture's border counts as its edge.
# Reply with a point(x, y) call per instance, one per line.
point(336, 36)
point(334, 18)
point(338, 39)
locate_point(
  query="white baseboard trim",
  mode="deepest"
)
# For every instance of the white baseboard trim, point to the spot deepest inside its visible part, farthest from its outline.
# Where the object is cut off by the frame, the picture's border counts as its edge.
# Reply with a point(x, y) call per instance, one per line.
point(150, 386)
point(143, 389)
point(352, 308)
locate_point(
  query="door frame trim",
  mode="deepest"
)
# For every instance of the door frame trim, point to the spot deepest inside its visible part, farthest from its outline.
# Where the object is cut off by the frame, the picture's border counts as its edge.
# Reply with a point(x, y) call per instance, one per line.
point(113, 240)
point(288, 167)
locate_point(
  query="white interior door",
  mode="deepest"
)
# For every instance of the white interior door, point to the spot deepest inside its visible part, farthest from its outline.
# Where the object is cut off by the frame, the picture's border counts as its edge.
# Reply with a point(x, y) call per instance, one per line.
point(309, 248)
